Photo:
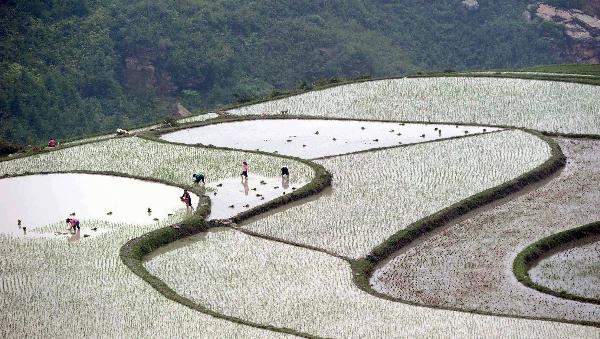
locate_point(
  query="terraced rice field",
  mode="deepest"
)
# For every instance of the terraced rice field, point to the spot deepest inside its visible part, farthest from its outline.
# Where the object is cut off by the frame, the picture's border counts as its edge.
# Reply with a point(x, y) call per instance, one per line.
point(376, 194)
point(314, 138)
point(575, 270)
point(468, 265)
point(291, 271)
point(540, 105)
point(57, 288)
point(38, 200)
point(287, 286)
point(159, 161)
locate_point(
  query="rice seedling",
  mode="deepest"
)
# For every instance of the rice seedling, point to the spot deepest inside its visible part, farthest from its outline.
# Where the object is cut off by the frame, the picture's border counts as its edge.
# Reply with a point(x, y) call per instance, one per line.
point(575, 271)
point(376, 194)
point(287, 286)
point(144, 158)
point(79, 287)
point(56, 288)
point(541, 105)
point(469, 264)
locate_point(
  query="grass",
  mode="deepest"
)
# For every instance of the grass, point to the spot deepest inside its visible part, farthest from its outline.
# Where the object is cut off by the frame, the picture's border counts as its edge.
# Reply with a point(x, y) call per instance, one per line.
point(567, 69)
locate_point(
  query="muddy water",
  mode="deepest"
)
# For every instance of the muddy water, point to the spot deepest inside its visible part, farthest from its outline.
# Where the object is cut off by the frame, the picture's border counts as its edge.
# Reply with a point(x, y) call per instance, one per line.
point(311, 139)
point(234, 196)
point(39, 200)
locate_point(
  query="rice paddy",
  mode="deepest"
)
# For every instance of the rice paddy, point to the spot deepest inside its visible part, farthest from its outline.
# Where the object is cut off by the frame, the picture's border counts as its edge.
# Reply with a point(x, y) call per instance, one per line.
point(309, 139)
point(42, 199)
point(575, 270)
point(376, 194)
point(252, 272)
point(287, 286)
point(58, 289)
point(541, 105)
point(154, 160)
point(468, 264)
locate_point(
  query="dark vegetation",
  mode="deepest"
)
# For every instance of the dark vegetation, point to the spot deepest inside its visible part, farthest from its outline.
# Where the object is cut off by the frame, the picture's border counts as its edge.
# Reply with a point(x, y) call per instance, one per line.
point(7, 148)
point(567, 69)
point(538, 250)
point(76, 67)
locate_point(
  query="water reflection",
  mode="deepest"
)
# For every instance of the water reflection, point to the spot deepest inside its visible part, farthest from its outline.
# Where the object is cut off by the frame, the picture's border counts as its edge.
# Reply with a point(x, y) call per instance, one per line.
point(246, 187)
point(285, 181)
point(50, 197)
point(74, 236)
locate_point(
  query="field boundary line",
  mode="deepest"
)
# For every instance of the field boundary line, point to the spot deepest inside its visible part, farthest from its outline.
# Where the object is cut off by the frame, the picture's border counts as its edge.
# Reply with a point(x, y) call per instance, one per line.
point(533, 253)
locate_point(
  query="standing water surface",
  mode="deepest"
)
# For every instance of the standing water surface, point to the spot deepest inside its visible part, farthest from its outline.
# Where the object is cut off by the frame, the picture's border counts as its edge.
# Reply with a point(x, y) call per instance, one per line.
point(39, 200)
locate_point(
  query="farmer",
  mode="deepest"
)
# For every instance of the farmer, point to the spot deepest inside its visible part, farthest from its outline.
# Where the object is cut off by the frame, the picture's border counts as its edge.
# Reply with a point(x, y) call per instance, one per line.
point(244, 171)
point(198, 177)
point(285, 177)
point(52, 143)
point(73, 223)
point(186, 199)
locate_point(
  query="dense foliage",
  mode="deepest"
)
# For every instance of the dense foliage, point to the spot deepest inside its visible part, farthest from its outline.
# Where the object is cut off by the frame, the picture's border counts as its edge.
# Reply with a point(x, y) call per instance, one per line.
point(74, 67)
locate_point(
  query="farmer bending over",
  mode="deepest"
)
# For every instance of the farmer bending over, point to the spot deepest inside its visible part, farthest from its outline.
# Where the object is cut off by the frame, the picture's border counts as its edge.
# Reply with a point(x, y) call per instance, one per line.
point(198, 177)
point(73, 223)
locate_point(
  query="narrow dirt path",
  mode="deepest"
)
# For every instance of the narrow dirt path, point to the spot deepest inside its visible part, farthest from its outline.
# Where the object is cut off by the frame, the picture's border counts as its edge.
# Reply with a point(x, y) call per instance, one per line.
point(468, 265)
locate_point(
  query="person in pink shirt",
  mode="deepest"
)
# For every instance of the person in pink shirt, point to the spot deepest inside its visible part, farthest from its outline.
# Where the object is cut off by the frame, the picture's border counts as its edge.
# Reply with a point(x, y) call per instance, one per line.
point(52, 143)
point(244, 171)
point(187, 199)
point(73, 223)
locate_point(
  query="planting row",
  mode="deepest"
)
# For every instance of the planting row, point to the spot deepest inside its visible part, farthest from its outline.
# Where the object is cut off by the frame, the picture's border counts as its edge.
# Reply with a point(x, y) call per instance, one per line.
point(55, 288)
point(286, 286)
point(172, 163)
point(468, 265)
point(376, 194)
point(575, 270)
point(59, 289)
point(541, 105)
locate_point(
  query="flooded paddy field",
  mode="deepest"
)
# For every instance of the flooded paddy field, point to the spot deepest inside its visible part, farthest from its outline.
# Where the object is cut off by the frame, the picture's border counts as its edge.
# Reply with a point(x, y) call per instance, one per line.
point(312, 138)
point(574, 269)
point(44, 282)
point(468, 265)
point(232, 196)
point(376, 194)
point(38, 200)
point(281, 285)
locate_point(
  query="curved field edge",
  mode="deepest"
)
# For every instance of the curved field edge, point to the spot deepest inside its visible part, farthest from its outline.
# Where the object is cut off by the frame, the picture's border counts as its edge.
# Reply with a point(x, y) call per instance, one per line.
point(133, 252)
point(140, 247)
point(536, 251)
point(157, 134)
point(556, 78)
point(363, 268)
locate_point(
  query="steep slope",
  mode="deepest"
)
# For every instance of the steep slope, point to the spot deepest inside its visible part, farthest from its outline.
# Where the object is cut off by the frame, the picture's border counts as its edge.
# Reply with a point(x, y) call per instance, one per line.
point(71, 68)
